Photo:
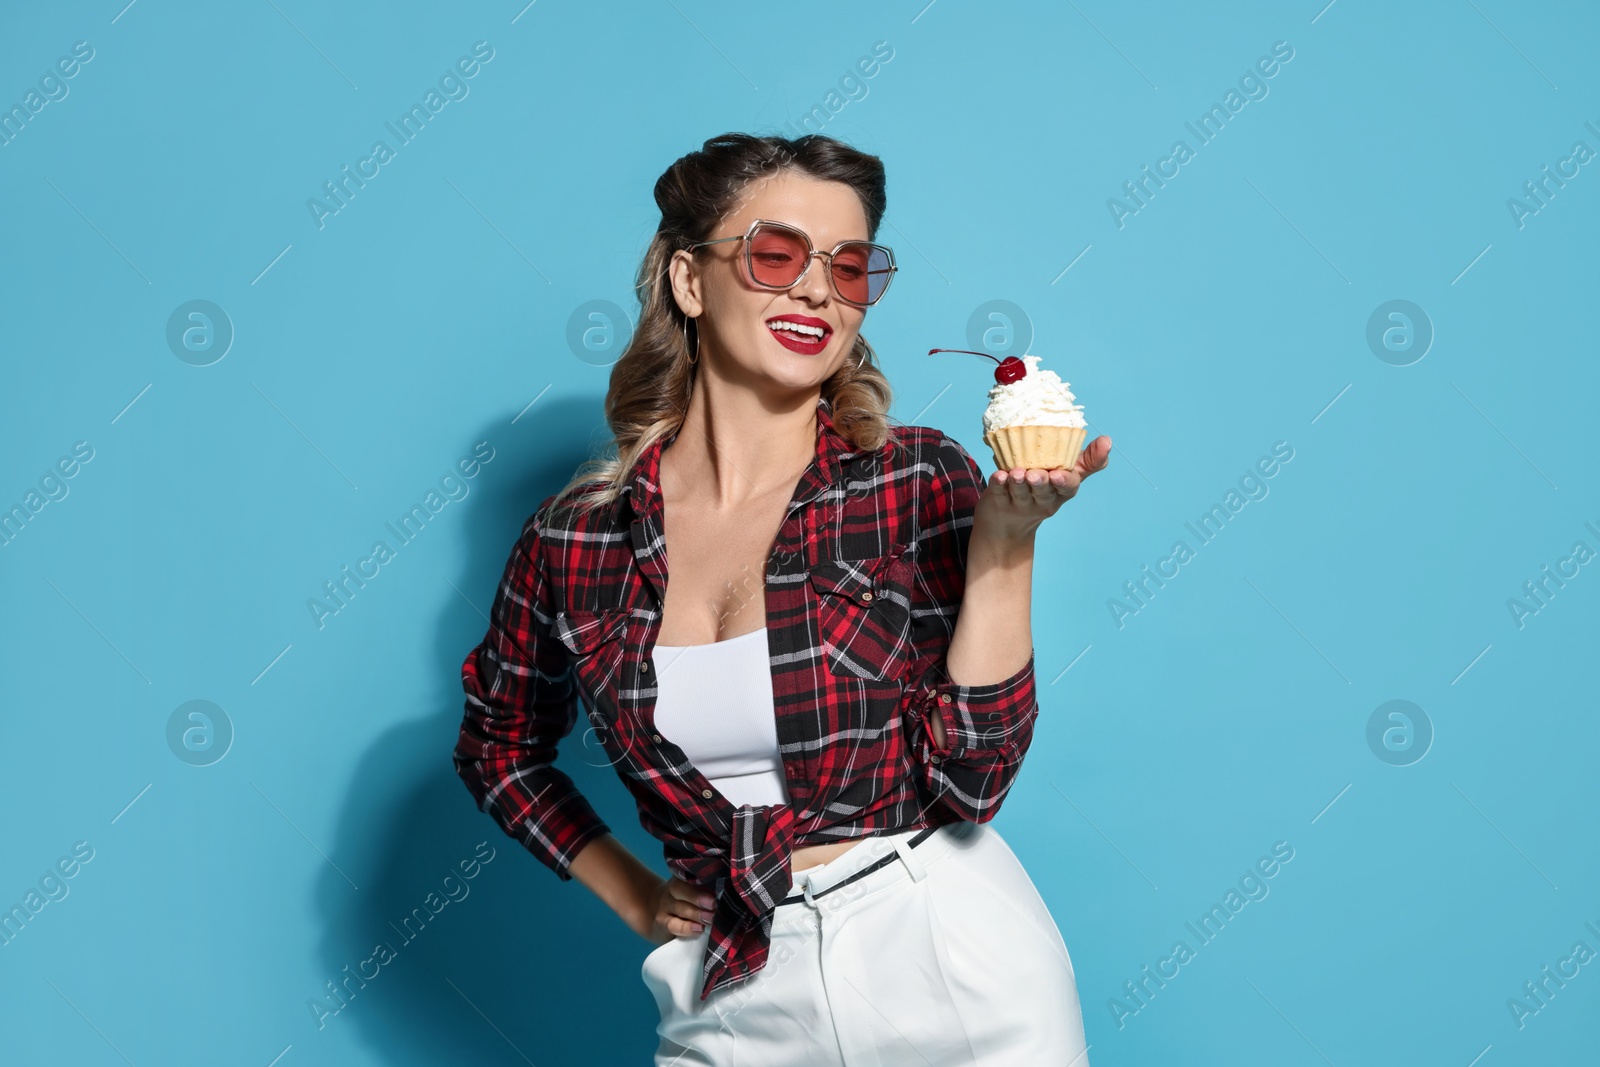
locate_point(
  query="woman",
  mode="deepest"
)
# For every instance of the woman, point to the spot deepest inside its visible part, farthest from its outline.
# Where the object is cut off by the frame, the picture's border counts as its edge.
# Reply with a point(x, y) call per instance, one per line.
point(823, 709)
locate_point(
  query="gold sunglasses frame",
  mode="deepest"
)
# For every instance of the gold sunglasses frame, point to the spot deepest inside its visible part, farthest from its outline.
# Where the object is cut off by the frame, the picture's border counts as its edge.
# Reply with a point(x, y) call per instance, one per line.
point(811, 252)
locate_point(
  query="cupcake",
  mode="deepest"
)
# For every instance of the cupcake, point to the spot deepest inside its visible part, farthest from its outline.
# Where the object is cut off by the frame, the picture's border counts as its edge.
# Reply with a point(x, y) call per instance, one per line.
point(1032, 419)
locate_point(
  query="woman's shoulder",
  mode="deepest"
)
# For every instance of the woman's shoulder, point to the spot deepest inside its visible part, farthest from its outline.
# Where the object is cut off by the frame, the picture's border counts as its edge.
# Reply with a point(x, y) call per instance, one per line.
point(563, 517)
point(932, 453)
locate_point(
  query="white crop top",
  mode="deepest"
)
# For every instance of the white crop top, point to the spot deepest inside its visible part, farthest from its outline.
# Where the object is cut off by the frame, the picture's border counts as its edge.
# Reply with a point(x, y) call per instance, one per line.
point(715, 702)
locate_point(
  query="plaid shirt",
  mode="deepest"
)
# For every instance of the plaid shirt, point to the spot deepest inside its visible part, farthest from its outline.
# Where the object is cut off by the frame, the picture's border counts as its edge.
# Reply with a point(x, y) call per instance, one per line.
point(862, 590)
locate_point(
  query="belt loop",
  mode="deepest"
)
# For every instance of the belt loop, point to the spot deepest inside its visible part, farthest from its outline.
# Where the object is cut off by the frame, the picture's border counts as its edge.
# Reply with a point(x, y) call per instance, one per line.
point(914, 865)
point(806, 883)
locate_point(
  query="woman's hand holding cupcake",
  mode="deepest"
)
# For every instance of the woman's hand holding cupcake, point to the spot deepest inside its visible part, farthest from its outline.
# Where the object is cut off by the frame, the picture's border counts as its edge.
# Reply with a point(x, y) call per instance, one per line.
point(1036, 429)
point(1018, 500)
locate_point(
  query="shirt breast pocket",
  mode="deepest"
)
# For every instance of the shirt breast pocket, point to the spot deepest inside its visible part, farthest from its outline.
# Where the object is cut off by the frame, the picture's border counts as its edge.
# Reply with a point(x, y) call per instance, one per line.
point(594, 643)
point(864, 615)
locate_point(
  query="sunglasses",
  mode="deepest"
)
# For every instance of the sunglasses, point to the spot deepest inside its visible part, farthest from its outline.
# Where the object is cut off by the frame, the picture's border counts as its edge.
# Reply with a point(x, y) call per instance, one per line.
point(777, 256)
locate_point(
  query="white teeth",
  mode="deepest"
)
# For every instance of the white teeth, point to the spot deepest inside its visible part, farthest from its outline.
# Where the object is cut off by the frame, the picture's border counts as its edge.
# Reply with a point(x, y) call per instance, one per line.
point(785, 324)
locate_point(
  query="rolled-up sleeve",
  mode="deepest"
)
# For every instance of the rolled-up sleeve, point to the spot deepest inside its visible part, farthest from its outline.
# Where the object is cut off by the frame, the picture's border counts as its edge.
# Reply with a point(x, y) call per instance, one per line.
point(987, 728)
point(520, 701)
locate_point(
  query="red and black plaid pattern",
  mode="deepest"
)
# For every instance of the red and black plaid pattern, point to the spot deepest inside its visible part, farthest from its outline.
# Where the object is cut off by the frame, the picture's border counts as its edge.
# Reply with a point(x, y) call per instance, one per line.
point(862, 591)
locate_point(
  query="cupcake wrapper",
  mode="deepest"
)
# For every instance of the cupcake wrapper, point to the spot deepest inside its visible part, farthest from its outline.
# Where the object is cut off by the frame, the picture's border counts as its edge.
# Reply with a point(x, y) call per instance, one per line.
point(1041, 447)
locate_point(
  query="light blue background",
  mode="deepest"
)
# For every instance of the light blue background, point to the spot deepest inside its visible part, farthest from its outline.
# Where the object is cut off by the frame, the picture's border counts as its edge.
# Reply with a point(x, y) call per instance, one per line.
point(370, 355)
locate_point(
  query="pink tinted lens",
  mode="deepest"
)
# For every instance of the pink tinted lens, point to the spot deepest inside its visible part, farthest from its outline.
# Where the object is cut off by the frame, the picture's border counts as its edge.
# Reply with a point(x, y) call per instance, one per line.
point(777, 258)
point(853, 274)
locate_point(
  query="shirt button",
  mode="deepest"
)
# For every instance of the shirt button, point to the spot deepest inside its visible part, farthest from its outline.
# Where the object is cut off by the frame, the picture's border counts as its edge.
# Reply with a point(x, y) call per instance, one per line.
point(706, 793)
point(944, 698)
point(644, 668)
point(866, 598)
point(655, 737)
point(937, 758)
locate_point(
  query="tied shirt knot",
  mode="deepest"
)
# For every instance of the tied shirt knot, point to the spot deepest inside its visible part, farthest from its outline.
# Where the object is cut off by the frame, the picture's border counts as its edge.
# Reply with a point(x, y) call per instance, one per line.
point(758, 878)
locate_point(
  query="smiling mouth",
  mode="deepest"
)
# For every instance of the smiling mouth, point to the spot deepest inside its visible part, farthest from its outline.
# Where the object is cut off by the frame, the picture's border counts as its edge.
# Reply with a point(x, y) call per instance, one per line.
point(808, 334)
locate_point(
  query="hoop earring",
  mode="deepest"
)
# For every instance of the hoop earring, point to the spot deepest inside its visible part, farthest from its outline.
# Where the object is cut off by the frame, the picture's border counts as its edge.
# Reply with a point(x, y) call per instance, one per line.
point(694, 355)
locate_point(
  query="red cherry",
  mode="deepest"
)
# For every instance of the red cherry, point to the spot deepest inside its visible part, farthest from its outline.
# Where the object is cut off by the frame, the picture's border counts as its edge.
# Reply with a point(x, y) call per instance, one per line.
point(1011, 369)
point(1008, 370)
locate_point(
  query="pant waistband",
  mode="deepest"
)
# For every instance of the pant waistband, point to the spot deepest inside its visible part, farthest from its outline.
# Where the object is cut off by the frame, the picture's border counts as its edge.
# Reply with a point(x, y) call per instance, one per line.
point(854, 864)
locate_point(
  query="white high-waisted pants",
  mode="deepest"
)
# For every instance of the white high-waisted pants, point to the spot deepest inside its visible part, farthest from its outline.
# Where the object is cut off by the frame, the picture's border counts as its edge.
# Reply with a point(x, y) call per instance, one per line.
point(947, 956)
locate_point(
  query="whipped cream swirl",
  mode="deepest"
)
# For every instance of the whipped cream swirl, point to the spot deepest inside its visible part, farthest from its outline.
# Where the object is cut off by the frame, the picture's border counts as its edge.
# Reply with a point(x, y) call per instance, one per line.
point(1040, 398)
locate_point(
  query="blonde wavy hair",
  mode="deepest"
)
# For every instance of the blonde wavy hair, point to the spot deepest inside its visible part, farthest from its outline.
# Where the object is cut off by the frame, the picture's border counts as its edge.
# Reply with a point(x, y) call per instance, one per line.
point(648, 396)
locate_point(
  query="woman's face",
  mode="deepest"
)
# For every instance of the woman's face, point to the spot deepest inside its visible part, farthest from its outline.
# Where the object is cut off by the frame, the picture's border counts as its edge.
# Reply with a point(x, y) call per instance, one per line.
point(733, 314)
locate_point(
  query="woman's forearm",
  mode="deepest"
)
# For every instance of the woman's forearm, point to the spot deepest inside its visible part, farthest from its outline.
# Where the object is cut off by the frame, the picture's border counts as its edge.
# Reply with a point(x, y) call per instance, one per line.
point(994, 630)
point(618, 878)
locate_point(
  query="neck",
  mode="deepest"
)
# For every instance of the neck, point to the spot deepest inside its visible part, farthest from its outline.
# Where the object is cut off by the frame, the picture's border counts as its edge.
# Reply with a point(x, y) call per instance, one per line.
point(736, 445)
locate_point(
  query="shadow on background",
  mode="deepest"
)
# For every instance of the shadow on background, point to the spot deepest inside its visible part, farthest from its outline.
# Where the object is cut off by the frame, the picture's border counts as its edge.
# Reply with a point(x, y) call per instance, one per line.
point(516, 966)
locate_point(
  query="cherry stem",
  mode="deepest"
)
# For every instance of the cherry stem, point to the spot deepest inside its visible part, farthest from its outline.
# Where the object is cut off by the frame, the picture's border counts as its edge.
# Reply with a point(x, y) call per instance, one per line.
point(964, 351)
